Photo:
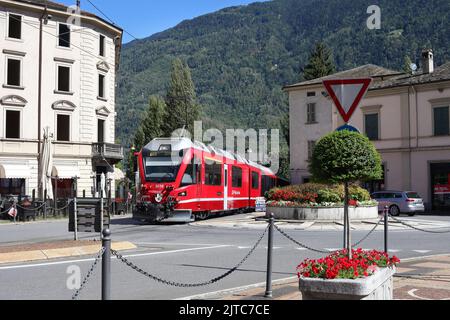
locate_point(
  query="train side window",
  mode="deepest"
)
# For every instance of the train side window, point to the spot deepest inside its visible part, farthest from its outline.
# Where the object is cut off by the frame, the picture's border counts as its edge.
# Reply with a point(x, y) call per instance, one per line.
point(213, 174)
point(255, 180)
point(236, 177)
point(192, 173)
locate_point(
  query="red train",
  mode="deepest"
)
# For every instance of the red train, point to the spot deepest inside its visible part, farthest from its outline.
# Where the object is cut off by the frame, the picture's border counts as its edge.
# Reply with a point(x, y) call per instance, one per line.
point(182, 180)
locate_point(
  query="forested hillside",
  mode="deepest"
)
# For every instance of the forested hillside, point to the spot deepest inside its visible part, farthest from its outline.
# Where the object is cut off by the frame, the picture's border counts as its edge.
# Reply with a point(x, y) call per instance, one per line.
point(241, 57)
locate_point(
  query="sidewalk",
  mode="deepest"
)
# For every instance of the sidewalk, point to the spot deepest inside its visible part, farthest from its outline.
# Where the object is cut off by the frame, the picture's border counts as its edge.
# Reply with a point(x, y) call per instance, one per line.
point(425, 278)
point(55, 249)
point(253, 221)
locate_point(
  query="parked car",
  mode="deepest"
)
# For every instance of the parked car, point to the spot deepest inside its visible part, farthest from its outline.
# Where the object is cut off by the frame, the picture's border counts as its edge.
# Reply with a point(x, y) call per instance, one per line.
point(408, 202)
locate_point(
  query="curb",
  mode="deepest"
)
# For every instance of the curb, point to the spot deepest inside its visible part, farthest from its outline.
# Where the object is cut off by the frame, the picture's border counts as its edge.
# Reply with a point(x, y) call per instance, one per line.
point(35, 255)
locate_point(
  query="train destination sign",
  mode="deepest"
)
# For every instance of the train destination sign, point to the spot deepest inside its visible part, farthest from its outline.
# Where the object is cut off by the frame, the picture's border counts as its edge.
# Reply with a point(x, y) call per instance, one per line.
point(347, 94)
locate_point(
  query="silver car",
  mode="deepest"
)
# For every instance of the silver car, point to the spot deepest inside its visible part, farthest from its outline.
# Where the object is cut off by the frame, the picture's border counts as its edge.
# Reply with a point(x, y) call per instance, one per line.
point(408, 202)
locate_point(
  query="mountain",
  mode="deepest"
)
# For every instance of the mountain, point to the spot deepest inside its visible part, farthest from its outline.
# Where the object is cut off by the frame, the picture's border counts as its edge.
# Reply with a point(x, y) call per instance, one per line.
point(242, 56)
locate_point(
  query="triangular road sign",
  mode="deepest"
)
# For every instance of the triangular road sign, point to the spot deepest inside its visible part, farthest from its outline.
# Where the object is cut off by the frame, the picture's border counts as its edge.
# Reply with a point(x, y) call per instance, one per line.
point(347, 94)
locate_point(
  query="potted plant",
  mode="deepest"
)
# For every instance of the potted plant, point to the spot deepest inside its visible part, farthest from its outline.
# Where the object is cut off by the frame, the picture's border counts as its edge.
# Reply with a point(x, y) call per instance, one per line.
point(368, 275)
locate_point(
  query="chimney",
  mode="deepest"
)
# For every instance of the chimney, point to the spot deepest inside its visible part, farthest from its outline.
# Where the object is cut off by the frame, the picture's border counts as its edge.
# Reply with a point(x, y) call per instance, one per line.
point(427, 61)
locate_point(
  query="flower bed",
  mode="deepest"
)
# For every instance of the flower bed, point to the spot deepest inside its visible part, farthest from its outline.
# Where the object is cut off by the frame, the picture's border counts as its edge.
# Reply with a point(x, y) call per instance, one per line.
point(367, 276)
point(317, 195)
point(339, 266)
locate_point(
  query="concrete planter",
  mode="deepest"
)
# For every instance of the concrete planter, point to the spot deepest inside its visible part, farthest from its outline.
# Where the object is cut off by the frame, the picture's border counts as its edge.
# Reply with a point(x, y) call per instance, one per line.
point(323, 213)
point(379, 286)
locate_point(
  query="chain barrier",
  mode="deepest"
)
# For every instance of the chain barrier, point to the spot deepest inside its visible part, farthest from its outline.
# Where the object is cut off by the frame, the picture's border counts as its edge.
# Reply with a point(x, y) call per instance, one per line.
point(189, 285)
point(370, 232)
point(33, 209)
point(91, 270)
point(416, 228)
point(298, 243)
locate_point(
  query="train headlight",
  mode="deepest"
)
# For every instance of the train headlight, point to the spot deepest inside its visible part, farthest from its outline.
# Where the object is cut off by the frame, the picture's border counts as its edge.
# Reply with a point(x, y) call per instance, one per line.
point(182, 194)
point(158, 198)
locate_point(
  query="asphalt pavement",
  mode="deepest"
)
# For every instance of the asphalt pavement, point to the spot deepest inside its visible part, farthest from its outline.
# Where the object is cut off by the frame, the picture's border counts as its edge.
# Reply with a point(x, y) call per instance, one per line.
point(190, 254)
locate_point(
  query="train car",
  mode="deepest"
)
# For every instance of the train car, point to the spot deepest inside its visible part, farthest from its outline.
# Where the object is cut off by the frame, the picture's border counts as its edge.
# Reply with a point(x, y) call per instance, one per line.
point(182, 180)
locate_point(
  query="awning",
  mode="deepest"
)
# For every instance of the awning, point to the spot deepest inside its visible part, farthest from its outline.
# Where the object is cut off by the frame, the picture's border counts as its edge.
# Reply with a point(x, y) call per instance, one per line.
point(15, 171)
point(118, 174)
point(65, 171)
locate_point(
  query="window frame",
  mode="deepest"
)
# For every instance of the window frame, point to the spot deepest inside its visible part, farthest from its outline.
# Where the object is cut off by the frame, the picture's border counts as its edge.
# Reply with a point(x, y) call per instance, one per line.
point(58, 36)
point(209, 164)
point(233, 178)
point(311, 115)
point(8, 26)
point(63, 65)
point(100, 42)
point(20, 122)
point(104, 129)
point(311, 146)
point(377, 113)
point(17, 58)
point(56, 126)
point(104, 97)
point(255, 187)
point(434, 120)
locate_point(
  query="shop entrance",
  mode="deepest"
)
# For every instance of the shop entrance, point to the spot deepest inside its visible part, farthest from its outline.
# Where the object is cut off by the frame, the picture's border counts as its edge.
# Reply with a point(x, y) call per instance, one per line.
point(440, 186)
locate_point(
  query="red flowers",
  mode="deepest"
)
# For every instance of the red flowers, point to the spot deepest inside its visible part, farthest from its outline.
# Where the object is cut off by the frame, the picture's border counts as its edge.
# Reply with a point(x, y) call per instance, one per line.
point(339, 266)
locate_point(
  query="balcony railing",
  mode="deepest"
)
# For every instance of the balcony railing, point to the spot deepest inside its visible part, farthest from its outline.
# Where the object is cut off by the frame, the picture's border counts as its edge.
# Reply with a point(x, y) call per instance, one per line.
point(108, 151)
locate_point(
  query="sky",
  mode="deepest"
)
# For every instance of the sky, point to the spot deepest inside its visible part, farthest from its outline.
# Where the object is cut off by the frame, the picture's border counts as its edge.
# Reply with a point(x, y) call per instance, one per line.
point(142, 18)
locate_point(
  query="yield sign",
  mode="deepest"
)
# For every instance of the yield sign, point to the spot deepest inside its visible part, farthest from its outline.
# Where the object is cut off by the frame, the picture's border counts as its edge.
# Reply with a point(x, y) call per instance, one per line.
point(347, 94)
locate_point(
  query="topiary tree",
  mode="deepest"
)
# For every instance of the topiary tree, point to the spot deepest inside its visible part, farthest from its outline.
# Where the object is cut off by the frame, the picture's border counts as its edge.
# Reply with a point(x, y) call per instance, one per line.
point(345, 157)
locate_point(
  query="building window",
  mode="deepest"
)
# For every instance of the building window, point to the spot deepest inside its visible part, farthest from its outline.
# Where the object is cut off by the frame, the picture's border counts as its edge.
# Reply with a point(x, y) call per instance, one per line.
point(311, 146)
point(102, 45)
point(63, 79)
point(255, 180)
point(213, 174)
point(101, 86)
point(236, 177)
point(311, 113)
point(14, 72)
point(371, 126)
point(64, 35)
point(101, 131)
point(311, 94)
point(12, 124)
point(441, 121)
point(14, 26)
point(63, 127)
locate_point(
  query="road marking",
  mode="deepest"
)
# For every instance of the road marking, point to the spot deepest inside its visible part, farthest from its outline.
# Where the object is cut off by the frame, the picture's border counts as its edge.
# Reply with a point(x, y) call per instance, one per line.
point(92, 259)
point(302, 249)
point(333, 249)
point(241, 248)
point(233, 290)
point(394, 250)
point(422, 251)
point(177, 244)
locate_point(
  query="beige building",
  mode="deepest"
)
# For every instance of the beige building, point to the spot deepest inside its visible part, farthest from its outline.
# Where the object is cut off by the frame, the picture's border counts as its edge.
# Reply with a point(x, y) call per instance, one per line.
point(406, 116)
point(58, 72)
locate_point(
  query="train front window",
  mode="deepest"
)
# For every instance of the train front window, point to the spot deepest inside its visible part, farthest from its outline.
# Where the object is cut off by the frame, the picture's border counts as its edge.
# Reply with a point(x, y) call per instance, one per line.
point(161, 169)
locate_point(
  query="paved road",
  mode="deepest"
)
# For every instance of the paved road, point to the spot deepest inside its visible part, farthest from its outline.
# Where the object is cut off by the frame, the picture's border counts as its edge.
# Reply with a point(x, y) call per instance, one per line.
point(188, 254)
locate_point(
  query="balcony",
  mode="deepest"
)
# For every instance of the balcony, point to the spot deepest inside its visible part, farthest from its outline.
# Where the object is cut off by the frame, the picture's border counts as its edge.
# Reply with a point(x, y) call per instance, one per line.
point(113, 153)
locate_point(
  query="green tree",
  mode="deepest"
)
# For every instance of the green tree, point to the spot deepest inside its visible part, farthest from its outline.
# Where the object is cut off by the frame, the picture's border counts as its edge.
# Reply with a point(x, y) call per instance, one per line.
point(152, 124)
point(182, 107)
point(344, 157)
point(407, 65)
point(320, 63)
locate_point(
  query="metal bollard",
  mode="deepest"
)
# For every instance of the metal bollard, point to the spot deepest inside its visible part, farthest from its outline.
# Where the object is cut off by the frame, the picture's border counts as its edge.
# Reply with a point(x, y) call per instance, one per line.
point(106, 265)
point(386, 226)
point(268, 293)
